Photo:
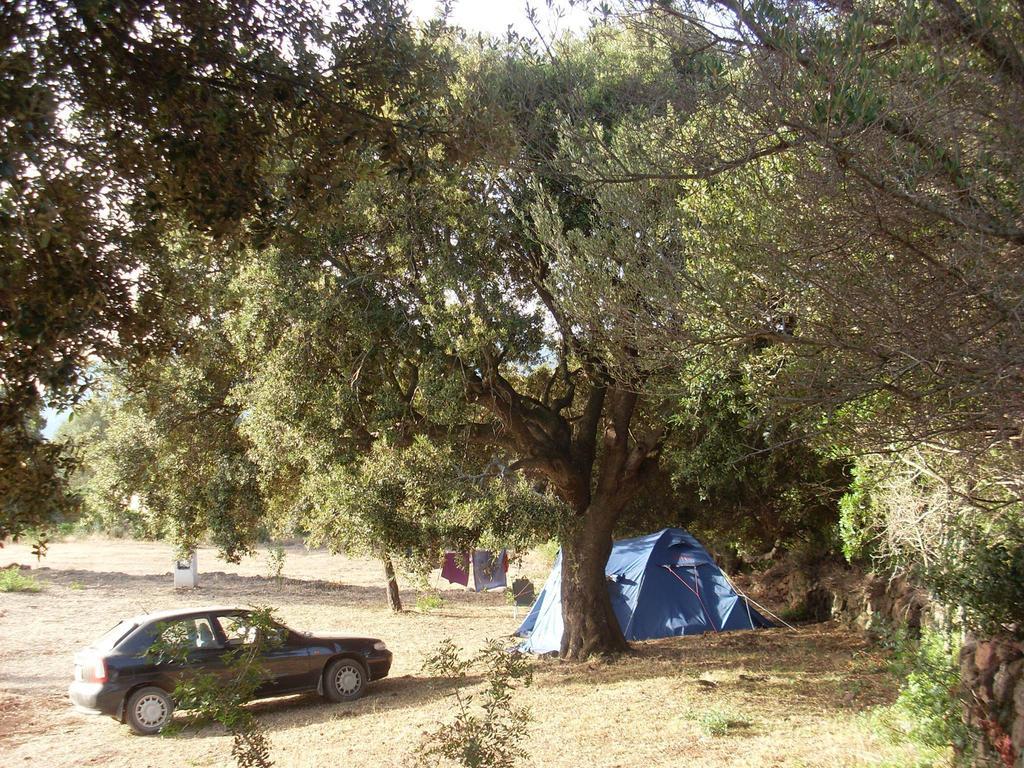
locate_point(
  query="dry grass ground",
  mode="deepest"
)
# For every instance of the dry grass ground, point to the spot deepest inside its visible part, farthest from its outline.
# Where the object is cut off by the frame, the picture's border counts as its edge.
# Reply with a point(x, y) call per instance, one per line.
point(768, 698)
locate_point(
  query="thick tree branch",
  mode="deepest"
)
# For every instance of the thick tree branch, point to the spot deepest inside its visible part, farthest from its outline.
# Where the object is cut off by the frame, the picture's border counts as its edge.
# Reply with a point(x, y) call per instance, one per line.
point(616, 442)
point(586, 428)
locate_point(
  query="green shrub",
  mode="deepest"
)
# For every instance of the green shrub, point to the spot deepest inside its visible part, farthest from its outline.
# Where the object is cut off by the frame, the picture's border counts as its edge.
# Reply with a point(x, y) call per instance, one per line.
point(928, 710)
point(13, 580)
point(429, 601)
point(275, 563)
point(445, 661)
point(856, 517)
point(902, 513)
point(716, 722)
point(487, 736)
point(222, 697)
point(983, 573)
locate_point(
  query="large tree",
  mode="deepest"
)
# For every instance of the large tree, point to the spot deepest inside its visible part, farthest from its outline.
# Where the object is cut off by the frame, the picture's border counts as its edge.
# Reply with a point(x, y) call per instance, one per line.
point(462, 302)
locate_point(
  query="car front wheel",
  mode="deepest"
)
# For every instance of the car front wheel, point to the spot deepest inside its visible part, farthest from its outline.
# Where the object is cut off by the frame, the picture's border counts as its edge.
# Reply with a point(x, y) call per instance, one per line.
point(149, 710)
point(345, 680)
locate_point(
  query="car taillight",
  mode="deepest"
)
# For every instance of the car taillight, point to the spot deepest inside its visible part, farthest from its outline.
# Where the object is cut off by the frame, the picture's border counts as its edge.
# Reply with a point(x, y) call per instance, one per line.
point(96, 671)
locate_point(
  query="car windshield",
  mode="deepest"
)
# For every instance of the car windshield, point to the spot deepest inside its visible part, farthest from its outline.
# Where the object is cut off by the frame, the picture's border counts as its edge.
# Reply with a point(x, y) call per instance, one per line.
point(114, 635)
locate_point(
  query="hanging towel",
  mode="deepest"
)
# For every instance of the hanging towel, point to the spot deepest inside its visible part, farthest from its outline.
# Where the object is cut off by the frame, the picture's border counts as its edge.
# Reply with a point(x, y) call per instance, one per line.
point(489, 569)
point(456, 568)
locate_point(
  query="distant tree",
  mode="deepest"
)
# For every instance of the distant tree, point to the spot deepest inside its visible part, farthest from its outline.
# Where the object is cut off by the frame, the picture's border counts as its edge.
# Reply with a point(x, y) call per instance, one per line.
point(419, 501)
point(169, 462)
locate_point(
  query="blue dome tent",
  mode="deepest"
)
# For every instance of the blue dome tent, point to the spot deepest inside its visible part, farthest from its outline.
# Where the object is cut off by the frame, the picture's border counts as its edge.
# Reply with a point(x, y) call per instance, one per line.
point(661, 585)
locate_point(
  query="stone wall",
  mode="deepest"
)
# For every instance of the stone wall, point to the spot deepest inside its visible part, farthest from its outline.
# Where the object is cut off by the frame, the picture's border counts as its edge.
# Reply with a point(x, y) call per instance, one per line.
point(992, 670)
point(845, 594)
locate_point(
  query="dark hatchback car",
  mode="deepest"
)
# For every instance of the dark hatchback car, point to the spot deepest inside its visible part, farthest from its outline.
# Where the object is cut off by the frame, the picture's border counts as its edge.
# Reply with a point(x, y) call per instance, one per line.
point(118, 675)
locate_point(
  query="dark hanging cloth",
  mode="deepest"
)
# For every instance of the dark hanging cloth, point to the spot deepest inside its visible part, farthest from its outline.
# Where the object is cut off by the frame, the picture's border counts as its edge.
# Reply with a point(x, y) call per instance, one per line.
point(456, 568)
point(523, 592)
point(489, 569)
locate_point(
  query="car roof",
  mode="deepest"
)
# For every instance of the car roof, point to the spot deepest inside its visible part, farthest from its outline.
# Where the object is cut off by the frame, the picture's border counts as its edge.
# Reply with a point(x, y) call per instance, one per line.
point(178, 613)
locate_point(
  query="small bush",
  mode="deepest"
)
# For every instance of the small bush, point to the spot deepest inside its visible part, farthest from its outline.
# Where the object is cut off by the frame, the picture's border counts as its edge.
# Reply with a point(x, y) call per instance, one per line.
point(487, 736)
point(222, 697)
point(275, 563)
point(445, 661)
point(428, 602)
point(13, 580)
point(928, 710)
point(716, 722)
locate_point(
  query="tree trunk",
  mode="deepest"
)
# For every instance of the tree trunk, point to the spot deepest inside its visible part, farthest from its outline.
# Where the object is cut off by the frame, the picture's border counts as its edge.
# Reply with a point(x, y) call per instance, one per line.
point(590, 624)
point(394, 598)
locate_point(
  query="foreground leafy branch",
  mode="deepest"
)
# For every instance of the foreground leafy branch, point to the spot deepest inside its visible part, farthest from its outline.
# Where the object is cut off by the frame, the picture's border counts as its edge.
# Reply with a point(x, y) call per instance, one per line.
point(485, 735)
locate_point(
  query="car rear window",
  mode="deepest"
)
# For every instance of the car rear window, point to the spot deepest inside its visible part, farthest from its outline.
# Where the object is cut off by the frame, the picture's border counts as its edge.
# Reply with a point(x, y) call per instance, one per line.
point(109, 639)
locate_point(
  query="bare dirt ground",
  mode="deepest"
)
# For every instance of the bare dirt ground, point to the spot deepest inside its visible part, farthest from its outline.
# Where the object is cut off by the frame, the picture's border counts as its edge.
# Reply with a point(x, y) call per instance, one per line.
point(788, 698)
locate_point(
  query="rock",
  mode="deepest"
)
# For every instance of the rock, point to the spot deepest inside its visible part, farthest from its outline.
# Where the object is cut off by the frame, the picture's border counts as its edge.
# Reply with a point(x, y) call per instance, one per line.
point(1008, 651)
point(984, 656)
point(1002, 685)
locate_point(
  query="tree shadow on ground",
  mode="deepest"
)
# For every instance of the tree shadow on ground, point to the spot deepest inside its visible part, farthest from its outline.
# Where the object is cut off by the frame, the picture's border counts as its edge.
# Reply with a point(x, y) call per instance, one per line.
point(299, 710)
point(815, 667)
point(213, 583)
point(235, 589)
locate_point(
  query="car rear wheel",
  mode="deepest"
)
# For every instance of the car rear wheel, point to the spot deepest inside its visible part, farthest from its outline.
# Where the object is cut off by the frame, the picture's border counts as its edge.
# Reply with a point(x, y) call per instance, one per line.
point(149, 710)
point(345, 680)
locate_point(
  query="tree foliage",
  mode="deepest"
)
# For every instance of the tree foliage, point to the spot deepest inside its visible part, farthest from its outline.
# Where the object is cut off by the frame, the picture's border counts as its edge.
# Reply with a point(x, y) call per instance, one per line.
point(485, 295)
point(756, 481)
point(861, 198)
point(129, 127)
point(850, 191)
point(421, 500)
point(741, 238)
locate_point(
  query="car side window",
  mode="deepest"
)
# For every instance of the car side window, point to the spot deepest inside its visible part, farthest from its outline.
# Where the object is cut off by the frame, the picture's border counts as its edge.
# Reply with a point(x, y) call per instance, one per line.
point(278, 634)
point(189, 633)
point(237, 630)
